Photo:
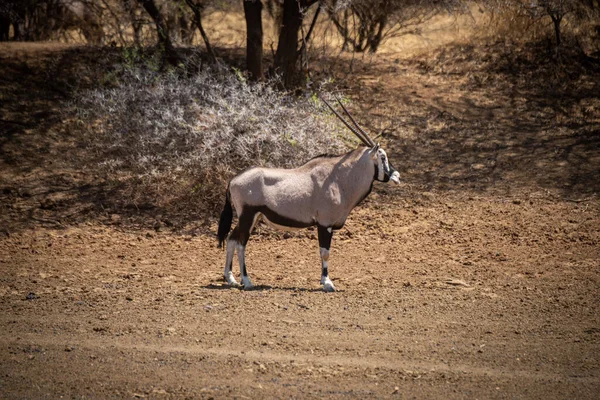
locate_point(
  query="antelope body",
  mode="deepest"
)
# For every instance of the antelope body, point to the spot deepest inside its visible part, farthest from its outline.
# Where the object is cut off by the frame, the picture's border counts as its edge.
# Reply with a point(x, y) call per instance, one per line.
point(320, 193)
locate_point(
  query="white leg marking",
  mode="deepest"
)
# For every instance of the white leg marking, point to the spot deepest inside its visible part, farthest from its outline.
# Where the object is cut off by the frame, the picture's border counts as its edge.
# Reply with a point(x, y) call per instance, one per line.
point(324, 254)
point(325, 281)
point(327, 284)
point(246, 282)
point(228, 274)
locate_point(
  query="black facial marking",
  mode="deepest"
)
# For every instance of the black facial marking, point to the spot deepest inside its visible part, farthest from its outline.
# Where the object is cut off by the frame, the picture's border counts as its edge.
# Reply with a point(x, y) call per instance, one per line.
point(386, 174)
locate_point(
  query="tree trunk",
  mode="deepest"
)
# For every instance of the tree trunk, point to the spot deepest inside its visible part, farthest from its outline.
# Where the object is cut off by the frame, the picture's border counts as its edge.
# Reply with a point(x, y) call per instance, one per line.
point(161, 29)
point(254, 38)
point(196, 9)
point(375, 41)
point(557, 19)
point(135, 22)
point(310, 30)
point(287, 47)
point(4, 28)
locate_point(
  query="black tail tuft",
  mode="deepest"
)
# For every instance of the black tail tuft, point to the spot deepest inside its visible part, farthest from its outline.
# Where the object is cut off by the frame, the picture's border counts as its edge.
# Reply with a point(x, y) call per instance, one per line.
point(225, 220)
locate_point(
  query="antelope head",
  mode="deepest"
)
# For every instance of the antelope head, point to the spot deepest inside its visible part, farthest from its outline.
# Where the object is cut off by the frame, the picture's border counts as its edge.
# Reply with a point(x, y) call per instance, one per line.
point(384, 170)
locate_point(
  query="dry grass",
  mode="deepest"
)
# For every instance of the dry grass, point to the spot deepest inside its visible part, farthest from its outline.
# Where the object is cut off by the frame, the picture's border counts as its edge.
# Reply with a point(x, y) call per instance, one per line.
point(145, 144)
point(173, 139)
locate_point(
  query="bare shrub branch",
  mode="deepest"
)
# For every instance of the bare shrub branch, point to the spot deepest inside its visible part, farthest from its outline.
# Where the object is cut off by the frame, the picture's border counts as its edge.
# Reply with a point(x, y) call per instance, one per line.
point(184, 137)
point(365, 24)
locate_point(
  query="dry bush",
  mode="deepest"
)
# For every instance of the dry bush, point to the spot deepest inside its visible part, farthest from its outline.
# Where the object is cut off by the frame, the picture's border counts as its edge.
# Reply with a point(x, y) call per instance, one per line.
point(365, 24)
point(174, 141)
point(574, 20)
point(527, 65)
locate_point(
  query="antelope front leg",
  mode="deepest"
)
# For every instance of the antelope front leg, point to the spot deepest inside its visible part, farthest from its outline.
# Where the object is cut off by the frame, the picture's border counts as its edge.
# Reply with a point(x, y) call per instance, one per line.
point(325, 235)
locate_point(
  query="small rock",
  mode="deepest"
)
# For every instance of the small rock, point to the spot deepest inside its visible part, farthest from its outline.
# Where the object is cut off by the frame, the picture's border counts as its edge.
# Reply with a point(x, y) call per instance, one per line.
point(456, 282)
point(31, 296)
point(396, 390)
point(47, 204)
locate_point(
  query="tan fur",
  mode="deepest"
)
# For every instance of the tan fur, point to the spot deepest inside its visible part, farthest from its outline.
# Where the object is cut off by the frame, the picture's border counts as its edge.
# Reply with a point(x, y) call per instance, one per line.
point(323, 191)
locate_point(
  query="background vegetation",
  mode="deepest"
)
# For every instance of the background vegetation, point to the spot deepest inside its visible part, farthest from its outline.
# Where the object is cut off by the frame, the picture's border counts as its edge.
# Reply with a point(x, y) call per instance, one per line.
point(183, 136)
point(352, 25)
point(171, 98)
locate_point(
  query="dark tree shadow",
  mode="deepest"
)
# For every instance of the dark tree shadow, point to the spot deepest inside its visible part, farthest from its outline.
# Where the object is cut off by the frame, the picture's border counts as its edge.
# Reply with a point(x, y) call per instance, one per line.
point(263, 288)
point(48, 174)
point(463, 119)
point(500, 120)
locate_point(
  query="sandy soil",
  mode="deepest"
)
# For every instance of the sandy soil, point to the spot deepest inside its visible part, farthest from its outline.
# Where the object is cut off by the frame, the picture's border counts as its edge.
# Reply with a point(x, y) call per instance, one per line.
point(478, 278)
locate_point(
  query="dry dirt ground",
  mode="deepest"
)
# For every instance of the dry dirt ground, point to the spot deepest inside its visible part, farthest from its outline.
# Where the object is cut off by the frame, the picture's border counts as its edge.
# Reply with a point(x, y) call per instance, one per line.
point(477, 278)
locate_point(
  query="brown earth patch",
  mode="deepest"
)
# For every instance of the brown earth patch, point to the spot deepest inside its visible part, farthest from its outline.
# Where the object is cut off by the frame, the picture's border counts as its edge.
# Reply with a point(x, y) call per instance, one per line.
point(478, 278)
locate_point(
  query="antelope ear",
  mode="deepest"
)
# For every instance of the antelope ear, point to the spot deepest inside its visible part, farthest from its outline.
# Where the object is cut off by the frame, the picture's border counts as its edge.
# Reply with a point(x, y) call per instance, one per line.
point(374, 150)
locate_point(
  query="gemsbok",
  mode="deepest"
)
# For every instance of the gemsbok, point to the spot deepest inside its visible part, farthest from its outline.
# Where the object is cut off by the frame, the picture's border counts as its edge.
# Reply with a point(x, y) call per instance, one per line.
point(321, 192)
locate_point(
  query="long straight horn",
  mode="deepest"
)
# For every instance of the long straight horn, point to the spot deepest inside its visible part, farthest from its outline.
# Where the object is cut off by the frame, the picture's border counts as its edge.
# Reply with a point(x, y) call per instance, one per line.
point(371, 142)
point(365, 141)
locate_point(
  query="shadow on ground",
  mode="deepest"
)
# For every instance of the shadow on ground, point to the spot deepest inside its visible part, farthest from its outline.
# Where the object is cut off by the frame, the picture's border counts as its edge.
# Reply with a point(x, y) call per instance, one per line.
point(465, 119)
point(488, 120)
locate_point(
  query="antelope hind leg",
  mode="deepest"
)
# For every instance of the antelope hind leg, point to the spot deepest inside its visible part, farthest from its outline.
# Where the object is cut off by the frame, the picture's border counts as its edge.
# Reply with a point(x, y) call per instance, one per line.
point(246, 282)
point(228, 273)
